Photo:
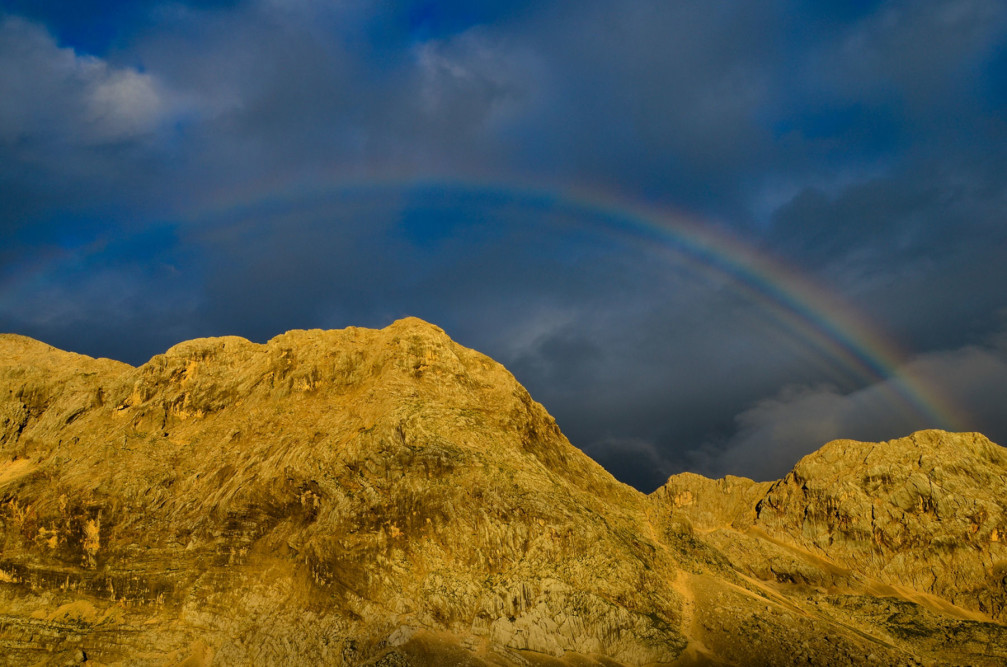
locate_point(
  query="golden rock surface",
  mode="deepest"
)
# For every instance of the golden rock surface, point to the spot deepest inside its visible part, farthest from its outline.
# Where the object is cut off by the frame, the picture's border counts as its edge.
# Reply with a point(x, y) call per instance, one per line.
point(363, 497)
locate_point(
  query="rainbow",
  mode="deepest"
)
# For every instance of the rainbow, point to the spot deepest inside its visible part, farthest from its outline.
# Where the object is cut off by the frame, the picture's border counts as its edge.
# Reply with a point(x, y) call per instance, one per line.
point(806, 312)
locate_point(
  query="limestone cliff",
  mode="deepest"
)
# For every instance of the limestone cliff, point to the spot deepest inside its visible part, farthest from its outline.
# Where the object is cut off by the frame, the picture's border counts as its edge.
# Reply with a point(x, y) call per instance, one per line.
point(392, 498)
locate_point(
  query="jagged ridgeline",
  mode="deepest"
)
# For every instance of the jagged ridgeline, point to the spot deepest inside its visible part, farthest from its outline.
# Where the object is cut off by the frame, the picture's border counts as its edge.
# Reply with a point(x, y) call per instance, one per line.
point(389, 497)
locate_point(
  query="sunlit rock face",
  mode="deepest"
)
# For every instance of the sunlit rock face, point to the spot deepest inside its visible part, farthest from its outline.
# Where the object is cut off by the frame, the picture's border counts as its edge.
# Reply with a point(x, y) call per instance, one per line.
point(926, 512)
point(392, 498)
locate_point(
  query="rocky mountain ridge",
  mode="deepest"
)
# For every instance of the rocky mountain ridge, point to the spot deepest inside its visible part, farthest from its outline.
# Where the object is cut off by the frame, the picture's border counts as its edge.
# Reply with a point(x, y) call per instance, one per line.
point(389, 497)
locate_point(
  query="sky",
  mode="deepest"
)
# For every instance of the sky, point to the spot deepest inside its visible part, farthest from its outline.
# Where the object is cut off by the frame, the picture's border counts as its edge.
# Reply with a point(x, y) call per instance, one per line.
point(707, 236)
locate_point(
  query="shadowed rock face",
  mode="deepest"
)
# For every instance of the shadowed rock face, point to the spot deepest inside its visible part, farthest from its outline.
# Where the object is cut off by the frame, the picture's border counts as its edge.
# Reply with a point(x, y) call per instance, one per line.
point(392, 498)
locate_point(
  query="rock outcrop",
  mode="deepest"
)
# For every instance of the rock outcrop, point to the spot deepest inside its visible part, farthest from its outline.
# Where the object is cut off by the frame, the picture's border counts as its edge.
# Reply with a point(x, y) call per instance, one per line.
point(901, 539)
point(392, 498)
point(927, 512)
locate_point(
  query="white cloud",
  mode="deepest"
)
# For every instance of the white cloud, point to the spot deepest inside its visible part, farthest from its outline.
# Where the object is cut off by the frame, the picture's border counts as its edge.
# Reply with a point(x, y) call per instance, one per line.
point(49, 93)
point(123, 103)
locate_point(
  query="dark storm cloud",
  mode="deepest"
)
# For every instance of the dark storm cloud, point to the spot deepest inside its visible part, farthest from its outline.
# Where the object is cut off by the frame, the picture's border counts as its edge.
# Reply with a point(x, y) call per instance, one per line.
point(920, 250)
point(862, 142)
point(126, 298)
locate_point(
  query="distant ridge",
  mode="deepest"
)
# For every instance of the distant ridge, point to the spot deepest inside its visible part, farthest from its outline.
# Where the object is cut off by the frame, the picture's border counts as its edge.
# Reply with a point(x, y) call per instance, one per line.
point(389, 497)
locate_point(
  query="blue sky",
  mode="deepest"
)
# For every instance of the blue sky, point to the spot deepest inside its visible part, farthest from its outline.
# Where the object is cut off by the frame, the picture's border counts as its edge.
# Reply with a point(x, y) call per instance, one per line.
point(179, 169)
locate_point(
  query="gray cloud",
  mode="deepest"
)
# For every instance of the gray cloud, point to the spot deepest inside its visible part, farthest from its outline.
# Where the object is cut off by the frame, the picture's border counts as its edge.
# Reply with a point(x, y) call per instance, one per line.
point(919, 252)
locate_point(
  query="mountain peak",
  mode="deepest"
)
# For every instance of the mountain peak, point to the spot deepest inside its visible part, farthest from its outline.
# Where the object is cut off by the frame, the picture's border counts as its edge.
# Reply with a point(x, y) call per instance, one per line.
point(415, 324)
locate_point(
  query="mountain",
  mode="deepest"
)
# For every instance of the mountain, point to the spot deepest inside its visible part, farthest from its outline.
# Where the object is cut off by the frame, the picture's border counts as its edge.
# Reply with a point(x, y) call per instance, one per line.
point(388, 497)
